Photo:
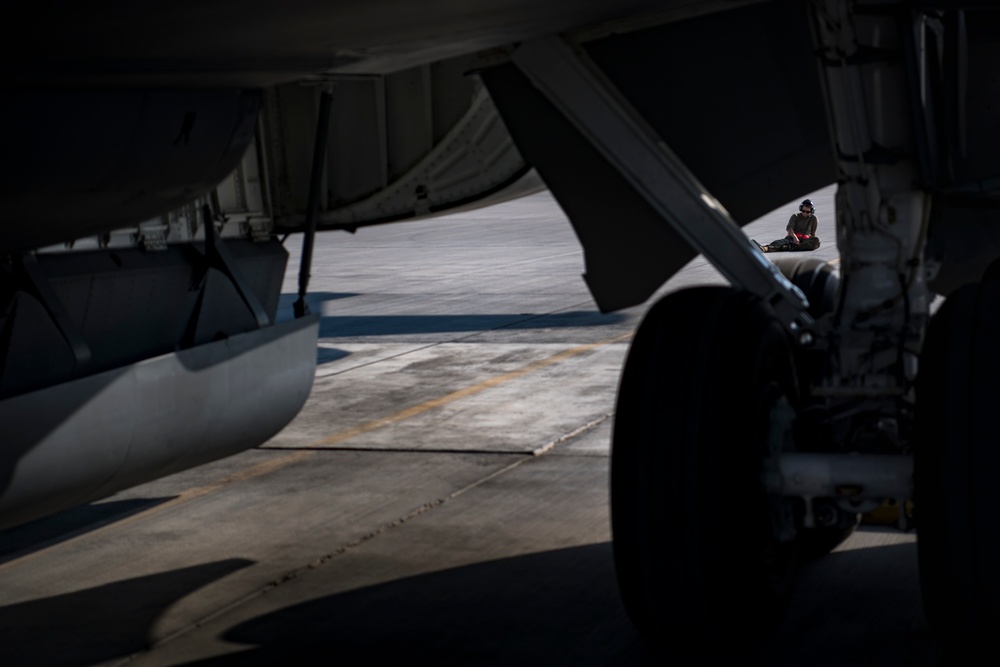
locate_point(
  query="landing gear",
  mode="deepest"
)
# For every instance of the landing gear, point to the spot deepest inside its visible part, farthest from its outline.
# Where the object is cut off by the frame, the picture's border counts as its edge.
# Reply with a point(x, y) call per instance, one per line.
point(957, 458)
point(695, 535)
point(819, 281)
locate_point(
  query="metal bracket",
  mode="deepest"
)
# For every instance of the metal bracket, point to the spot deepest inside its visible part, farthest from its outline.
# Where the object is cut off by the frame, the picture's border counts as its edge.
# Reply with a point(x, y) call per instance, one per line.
point(594, 106)
point(219, 258)
point(153, 238)
point(882, 210)
point(259, 229)
point(36, 283)
point(846, 478)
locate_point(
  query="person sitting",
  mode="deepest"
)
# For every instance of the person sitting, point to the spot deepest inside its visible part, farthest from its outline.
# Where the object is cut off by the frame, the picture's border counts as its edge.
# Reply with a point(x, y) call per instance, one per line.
point(801, 231)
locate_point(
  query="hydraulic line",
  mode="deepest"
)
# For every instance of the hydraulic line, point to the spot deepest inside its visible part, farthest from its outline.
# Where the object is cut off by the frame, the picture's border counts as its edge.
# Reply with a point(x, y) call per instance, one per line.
point(315, 183)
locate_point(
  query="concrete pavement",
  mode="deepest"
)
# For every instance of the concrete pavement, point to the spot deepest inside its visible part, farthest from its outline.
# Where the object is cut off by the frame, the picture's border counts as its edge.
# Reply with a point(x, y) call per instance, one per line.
point(441, 499)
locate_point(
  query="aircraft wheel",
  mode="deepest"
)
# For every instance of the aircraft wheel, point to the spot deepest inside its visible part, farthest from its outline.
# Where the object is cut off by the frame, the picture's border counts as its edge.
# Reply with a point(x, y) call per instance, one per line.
point(694, 538)
point(956, 466)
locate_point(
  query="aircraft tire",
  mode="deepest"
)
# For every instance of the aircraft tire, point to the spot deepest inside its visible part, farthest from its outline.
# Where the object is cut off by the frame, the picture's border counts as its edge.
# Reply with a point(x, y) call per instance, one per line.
point(955, 470)
point(694, 544)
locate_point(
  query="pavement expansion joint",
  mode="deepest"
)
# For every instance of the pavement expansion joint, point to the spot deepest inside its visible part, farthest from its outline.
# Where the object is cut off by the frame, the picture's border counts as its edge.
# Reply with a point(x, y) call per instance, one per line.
point(575, 433)
point(182, 498)
point(320, 562)
point(407, 413)
point(369, 536)
point(404, 450)
point(538, 451)
point(382, 359)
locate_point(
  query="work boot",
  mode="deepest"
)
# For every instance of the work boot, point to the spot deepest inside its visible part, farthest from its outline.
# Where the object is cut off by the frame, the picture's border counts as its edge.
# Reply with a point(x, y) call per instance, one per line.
point(763, 248)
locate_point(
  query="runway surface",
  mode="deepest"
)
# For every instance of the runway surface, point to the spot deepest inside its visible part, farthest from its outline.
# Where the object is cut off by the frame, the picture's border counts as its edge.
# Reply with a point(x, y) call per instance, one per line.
point(441, 499)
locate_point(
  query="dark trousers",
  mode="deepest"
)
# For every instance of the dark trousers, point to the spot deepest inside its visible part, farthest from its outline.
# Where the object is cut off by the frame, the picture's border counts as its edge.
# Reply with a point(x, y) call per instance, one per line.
point(786, 244)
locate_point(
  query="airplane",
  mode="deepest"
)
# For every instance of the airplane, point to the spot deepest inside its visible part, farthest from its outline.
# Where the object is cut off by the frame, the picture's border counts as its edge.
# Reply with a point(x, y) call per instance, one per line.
point(155, 156)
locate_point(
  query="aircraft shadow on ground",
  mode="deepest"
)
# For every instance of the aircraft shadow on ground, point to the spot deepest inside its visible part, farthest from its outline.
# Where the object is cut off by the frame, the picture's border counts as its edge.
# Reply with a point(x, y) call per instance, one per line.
point(287, 299)
point(554, 608)
point(99, 624)
point(46, 532)
point(326, 355)
point(562, 608)
point(314, 301)
point(857, 607)
point(342, 326)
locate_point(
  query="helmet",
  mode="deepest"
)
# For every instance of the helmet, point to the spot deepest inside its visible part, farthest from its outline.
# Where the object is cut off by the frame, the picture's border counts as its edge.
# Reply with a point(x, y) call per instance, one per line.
point(807, 202)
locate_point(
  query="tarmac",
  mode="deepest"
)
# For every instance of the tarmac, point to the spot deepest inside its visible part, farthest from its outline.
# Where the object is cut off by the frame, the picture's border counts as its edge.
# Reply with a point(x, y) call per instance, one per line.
point(441, 499)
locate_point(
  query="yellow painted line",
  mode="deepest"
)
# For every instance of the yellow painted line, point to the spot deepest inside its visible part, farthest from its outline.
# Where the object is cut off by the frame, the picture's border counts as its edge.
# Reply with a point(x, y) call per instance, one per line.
point(273, 465)
point(408, 413)
point(834, 261)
